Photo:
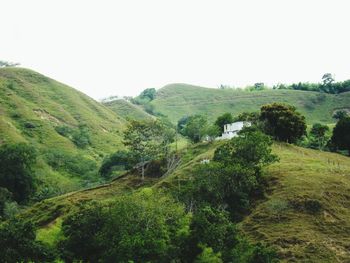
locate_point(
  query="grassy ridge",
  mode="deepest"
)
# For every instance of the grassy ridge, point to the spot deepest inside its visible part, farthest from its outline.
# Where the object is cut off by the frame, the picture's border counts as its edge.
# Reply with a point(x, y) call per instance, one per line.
point(178, 100)
point(128, 110)
point(32, 105)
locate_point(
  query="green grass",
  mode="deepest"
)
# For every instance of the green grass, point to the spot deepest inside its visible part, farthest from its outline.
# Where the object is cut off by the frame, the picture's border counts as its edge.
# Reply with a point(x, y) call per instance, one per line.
point(128, 110)
point(51, 233)
point(27, 97)
point(178, 100)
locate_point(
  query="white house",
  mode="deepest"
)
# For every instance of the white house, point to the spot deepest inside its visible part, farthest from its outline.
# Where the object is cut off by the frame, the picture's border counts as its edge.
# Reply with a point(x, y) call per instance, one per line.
point(231, 129)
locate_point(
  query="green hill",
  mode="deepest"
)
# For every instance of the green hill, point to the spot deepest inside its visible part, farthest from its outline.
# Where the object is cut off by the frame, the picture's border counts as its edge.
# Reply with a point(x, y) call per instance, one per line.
point(39, 110)
point(178, 100)
point(127, 110)
point(305, 213)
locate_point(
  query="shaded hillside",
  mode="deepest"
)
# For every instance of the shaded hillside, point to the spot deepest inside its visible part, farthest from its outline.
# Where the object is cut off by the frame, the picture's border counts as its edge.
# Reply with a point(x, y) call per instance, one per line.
point(51, 116)
point(178, 100)
point(127, 110)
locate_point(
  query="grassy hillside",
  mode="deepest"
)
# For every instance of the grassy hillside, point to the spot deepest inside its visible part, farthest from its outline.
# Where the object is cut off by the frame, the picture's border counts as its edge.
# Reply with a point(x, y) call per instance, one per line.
point(178, 100)
point(128, 110)
point(305, 214)
point(33, 106)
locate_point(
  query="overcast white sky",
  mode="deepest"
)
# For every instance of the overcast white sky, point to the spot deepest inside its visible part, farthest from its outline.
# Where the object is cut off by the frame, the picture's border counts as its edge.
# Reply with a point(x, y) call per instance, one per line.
point(115, 47)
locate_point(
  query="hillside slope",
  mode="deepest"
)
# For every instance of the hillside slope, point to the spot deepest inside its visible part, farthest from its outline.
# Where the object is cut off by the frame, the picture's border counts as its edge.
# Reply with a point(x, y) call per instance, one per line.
point(305, 214)
point(128, 110)
point(178, 100)
point(33, 106)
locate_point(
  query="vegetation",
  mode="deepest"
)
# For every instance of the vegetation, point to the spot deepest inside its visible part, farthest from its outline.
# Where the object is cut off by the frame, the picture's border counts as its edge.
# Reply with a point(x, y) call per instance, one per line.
point(16, 173)
point(195, 128)
point(178, 100)
point(283, 122)
point(226, 118)
point(341, 134)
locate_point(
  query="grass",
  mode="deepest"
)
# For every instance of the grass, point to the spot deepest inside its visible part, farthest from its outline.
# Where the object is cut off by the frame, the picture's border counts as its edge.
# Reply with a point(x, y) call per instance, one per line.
point(32, 105)
point(178, 100)
point(128, 110)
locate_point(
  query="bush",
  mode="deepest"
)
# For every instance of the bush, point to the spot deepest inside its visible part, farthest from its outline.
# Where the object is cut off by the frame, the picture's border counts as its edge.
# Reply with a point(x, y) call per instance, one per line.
point(122, 160)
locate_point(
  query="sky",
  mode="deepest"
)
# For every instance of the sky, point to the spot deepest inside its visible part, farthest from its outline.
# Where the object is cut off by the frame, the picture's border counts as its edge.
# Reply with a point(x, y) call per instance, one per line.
point(111, 47)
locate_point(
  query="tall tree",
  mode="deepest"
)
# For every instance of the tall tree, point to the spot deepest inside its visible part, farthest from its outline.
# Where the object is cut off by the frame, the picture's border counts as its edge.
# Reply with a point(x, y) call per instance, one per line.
point(341, 134)
point(147, 141)
point(283, 122)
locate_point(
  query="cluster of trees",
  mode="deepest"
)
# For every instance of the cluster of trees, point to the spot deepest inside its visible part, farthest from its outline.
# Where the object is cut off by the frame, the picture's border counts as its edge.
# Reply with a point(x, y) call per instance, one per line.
point(151, 226)
point(328, 85)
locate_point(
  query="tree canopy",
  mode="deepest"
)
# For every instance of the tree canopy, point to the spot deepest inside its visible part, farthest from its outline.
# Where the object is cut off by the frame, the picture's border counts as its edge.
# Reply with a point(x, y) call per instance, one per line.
point(283, 122)
point(341, 134)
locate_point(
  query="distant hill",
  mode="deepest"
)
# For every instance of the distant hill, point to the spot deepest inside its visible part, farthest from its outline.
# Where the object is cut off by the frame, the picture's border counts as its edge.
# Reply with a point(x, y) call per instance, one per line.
point(128, 110)
point(33, 108)
point(178, 100)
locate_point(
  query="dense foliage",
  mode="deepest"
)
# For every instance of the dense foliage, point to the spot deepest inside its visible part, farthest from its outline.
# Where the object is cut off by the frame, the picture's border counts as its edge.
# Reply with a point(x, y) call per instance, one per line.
point(16, 173)
point(226, 118)
point(283, 122)
point(341, 134)
point(18, 244)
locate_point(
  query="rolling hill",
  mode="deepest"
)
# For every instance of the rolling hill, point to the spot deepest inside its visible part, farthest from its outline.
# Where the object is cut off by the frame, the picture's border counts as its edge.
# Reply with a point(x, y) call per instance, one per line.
point(50, 116)
point(178, 100)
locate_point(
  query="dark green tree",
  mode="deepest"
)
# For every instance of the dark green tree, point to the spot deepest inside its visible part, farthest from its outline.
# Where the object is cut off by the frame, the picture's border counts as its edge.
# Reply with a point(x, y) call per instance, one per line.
point(226, 118)
point(341, 134)
point(16, 173)
point(340, 114)
point(283, 122)
point(195, 128)
point(18, 244)
point(120, 158)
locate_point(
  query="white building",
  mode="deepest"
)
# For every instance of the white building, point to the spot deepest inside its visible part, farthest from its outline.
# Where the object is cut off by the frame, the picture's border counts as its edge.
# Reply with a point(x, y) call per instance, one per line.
point(231, 129)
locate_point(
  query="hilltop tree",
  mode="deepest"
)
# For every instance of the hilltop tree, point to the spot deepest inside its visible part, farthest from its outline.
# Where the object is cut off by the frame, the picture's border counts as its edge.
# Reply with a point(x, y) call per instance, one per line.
point(341, 134)
point(225, 118)
point(149, 94)
point(327, 79)
point(283, 122)
point(16, 170)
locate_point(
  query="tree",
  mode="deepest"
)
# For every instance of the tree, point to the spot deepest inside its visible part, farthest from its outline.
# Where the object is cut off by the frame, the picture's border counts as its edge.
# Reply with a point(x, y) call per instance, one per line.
point(147, 226)
point(147, 141)
point(318, 135)
point(149, 94)
point(251, 149)
point(195, 128)
point(327, 79)
point(16, 173)
point(283, 122)
point(340, 114)
point(226, 118)
point(341, 134)
point(18, 244)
